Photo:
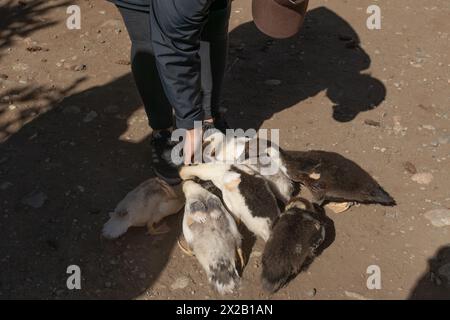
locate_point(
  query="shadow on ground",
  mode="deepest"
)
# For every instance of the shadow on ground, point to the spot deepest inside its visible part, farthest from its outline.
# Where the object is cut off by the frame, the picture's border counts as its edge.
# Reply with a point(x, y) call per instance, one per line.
point(82, 169)
point(22, 18)
point(325, 56)
point(434, 284)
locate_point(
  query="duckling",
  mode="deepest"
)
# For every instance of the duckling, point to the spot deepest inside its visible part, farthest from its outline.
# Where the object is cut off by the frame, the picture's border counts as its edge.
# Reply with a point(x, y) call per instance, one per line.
point(226, 149)
point(333, 178)
point(280, 184)
point(209, 186)
point(252, 153)
point(245, 193)
point(212, 234)
point(148, 204)
point(258, 156)
point(296, 235)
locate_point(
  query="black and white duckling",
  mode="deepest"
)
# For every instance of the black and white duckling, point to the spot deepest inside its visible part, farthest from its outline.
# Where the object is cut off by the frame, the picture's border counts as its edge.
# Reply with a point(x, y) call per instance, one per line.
point(280, 184)
point(212, 235)
point(252, 152)
point(296, 235)
point(333, 178)
point(147, 205)
point(226, 149)
point(258, 156)
point(245, 193)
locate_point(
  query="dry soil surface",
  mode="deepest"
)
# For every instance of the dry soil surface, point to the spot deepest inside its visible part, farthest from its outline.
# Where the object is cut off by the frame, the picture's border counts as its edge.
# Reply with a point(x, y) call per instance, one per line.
point(74, 141)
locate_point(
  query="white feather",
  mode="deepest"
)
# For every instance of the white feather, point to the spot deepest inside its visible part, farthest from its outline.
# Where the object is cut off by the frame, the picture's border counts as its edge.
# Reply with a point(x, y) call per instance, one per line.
point(227, 181)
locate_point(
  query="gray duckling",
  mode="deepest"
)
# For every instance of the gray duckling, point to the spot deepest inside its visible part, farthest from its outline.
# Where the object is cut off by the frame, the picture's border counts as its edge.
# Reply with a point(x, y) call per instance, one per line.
point(212, 236)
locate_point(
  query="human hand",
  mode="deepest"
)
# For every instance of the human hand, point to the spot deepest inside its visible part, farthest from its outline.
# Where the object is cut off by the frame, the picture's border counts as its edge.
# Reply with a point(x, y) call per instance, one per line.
point(192, 144)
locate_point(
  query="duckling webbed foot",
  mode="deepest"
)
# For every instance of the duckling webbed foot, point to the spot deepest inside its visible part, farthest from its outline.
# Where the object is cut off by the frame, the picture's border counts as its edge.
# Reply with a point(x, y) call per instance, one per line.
point(339, 207)
point(241, 257)
point(161, 229)
point(185, 248)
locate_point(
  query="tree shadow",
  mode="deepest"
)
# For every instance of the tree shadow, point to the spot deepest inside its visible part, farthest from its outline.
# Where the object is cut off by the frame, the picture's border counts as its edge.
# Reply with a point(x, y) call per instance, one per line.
point(40, 97)
point(325, 56)
point(83, 169)
point(82, 166)
point(20, 19)
point(434, 284)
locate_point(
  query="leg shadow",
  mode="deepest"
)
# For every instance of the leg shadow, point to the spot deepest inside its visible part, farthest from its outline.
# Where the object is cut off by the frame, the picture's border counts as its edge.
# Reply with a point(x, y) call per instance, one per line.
point(61, 173)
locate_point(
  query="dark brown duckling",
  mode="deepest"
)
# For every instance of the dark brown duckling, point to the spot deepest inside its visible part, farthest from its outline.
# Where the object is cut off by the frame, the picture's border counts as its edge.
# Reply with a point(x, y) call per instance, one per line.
point(333, 178)
point(296, 235)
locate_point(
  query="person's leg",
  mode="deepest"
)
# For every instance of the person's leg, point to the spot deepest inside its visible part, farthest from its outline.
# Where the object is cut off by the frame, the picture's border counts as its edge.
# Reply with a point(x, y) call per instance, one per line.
point(213, 54)
point(143, 66)
point(157, 106)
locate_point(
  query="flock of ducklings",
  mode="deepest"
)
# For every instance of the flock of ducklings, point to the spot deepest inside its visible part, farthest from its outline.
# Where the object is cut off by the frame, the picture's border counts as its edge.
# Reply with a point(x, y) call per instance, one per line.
point(218, 197)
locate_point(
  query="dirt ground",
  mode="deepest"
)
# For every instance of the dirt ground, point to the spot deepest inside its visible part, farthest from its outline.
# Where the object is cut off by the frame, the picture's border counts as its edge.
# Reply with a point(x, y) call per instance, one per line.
point(74, 141)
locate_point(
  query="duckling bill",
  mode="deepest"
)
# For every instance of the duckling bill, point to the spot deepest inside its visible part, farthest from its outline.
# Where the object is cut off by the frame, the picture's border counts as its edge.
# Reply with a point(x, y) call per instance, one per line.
point(295, 237)
point(332, 177)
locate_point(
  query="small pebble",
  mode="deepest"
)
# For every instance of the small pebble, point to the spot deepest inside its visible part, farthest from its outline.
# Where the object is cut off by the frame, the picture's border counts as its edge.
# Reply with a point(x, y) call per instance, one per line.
point(372, 123)
point(355, 296)
point(35, 199)
point(79, 67)
point(112, 109)
point(312, 292)
point(123, 62)
point(71, 110)
point(5, 185)
point(180, 283)
point(438, 217)
point(35, 48)
point(428, 127)
point(90, 116)
point(273, 82)
point(409, 167)
point(422, 178)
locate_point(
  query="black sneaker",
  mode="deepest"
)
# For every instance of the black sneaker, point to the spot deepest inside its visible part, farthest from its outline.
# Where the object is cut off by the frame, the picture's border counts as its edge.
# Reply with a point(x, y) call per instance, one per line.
point(161, 147)
point(221, 124)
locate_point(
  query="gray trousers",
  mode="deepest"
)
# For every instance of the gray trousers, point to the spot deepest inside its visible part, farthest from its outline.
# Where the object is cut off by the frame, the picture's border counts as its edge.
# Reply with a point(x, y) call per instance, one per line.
point(150, 82)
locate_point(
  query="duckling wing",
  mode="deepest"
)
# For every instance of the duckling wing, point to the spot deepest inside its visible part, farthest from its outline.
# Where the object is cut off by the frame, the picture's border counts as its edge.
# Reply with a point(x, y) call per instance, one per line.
point(299, 164)
point(192, 215)
point(294, 238)
point(224, 219)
